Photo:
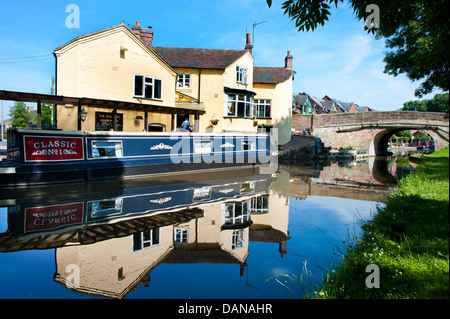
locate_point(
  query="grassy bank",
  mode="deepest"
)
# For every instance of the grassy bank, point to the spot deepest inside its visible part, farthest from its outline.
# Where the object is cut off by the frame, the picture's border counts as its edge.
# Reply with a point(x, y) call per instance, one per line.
point(408, 240)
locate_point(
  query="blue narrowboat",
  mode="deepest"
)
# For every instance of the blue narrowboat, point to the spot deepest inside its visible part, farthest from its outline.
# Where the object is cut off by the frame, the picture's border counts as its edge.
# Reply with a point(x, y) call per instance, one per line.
point(47, 156)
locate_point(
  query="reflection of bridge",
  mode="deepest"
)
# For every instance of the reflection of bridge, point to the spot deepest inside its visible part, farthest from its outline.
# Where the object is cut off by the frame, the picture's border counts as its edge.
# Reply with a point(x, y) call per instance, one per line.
point(370, 131)
point(365, 181)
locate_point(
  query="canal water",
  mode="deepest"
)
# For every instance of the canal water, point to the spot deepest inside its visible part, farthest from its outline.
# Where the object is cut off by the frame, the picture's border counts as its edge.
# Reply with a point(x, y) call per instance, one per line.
point(222, 235)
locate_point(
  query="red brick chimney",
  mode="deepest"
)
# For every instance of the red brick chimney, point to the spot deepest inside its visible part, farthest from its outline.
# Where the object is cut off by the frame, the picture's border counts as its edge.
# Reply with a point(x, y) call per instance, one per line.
point(248, 44)
point(146, 35)
point(288, 61)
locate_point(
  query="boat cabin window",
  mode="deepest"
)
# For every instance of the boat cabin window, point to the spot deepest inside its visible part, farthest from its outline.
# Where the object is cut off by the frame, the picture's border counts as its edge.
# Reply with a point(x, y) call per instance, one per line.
point(202, 147)
point(249, 145)
point(107, 207)
point(203, 193)
point(106, 149)
point(247, 187)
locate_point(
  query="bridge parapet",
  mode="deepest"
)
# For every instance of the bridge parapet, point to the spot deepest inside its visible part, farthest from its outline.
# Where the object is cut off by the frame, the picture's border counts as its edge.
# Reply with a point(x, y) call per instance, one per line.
point(397, 117)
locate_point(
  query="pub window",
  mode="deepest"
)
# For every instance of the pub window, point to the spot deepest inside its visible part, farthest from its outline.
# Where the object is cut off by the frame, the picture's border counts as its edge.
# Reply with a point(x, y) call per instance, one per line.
point(181, 235)
point(235, 213)
point(262, 108)
point(107, 149)
point(241, 74)
point(237, 240)
point(259, 204)
point(147, 87)
point(183, 81)
point(239, 106)
point(145, 239)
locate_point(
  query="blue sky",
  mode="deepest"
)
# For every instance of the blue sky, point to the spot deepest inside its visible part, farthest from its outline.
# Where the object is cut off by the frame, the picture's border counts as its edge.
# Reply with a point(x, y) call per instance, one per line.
point(339, 59)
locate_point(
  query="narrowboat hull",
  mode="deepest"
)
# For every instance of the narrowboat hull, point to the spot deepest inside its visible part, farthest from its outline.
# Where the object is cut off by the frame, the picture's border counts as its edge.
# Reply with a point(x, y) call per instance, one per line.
point(47, 157)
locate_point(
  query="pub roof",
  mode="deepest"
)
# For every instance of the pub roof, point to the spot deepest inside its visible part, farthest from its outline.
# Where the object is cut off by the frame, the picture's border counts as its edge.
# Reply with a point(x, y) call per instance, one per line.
point(270, 75)
point(199, 58)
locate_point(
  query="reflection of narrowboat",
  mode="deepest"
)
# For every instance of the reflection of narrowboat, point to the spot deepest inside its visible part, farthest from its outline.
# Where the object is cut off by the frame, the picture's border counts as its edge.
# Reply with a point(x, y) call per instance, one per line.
point(42, 157)
point(40, 221)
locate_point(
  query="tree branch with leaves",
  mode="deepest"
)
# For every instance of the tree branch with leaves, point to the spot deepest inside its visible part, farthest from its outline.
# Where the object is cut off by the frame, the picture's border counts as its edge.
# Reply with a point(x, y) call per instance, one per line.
point(416, 33)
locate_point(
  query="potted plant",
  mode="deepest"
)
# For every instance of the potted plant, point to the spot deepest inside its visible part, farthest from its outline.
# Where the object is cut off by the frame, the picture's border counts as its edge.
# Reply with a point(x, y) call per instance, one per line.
point(214, 122)
point(255, 123)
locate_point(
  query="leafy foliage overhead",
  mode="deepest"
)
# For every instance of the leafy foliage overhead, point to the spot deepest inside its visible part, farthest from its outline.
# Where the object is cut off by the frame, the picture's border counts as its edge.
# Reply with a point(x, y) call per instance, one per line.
point(416, 32)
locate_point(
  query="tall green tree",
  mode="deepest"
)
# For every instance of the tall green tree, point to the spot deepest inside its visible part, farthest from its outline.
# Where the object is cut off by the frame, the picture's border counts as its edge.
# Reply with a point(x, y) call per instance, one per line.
point(416, 33)
point(46, 114)
point(439, 103)
point(420, 106)
point(19, 115)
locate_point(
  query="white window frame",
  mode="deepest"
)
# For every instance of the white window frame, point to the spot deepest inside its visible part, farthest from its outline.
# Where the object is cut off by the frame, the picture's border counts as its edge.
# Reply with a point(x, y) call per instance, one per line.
point(241, 74)
point(147, 81)
point(259, 204)
point(236, 215)
point(257, 104)
point(181, 235)
point(237, 239)
point(237, 99)
point(149, 241)
point(184, 80)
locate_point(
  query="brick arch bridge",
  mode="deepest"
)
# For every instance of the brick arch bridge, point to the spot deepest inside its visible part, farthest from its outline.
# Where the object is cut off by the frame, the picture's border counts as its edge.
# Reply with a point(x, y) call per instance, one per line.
point(370, 131)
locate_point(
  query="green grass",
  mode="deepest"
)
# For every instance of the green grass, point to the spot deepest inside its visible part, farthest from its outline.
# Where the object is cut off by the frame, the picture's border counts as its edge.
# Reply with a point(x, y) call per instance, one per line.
point(407, 239)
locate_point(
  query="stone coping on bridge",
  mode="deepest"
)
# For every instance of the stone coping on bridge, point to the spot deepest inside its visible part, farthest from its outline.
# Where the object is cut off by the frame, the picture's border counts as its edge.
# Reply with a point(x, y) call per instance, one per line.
point(398, 117)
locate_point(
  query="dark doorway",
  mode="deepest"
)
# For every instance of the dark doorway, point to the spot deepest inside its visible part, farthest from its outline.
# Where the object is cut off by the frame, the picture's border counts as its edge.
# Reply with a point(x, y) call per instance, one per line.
point(156, 127)
point(180, 119)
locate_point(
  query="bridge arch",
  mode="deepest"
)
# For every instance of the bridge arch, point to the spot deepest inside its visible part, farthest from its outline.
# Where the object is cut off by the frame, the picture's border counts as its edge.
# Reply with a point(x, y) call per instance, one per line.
point(381, 139)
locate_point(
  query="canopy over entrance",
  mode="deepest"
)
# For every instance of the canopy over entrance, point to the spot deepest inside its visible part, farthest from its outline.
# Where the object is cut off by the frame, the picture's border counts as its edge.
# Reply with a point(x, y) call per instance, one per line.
point(195, 109)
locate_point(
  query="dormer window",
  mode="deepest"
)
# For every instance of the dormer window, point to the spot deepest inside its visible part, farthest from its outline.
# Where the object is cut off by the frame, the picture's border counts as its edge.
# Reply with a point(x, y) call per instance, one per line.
point(241, 75)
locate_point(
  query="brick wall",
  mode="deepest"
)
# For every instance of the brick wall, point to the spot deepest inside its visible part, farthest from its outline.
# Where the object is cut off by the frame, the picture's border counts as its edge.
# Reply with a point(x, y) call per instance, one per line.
point(301, 121)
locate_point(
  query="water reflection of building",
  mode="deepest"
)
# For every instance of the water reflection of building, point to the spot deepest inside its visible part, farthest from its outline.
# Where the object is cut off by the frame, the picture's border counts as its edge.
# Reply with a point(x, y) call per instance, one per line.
point(271, 218)
point(115, 242)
